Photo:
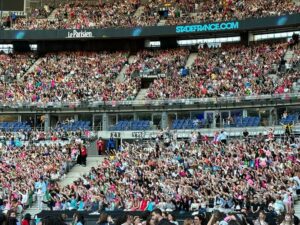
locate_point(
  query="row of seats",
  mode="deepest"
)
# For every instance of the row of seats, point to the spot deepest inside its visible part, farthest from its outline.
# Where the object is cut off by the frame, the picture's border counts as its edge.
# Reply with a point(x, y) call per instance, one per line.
point(196, 124)
point(188, 124)
point(290, 119)
point(74, 126)
point(145, 124)
point(247, 121)
point(14, 126)
point(132, 125)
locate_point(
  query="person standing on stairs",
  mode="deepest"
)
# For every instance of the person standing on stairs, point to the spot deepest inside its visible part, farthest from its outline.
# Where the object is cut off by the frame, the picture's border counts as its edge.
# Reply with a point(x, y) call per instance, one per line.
point(83, 155)
point(100, 146)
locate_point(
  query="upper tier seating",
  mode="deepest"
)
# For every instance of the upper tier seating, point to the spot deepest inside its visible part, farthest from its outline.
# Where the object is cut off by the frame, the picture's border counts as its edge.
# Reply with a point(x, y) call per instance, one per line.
point(121, 13)
point(232, 70)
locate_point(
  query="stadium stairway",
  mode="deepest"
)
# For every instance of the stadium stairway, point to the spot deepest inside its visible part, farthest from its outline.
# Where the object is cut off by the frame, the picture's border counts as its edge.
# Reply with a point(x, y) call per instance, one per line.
point(288, 55)
point(191, 60)
point(161, 23)
point(139, 11)
point(121, 76)
point(76, 172)
point(34, 65)
point(52, 15)
point(92, 149)
point(142, 94)
point(297, 2)
point(131, 59)
point(297, 209)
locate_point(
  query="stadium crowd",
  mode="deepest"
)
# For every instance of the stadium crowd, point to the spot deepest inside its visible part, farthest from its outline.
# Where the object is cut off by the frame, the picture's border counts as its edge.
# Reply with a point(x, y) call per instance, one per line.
point(14, 66)
point(194, 175)
point(72, 77)
point(121, 14)
point(91, 76)
point(32, 162)
point(232, 70)
point(167, 62)
point(217, 11)
point(84, 15)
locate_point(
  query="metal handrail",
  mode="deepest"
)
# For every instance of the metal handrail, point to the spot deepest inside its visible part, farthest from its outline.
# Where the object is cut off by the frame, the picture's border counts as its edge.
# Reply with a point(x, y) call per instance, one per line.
point(188, 101)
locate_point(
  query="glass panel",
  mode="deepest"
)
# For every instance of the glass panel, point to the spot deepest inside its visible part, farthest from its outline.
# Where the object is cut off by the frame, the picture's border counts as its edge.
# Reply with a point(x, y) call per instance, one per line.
point(264, 117)
point(236, 113)
point(8, 118)
point(171, 119)
point(6, 48)
point(210, 118)
point(63, 118)
point(53, 120)
point(157, 120)
point(208, 40)
point(97, 122)
point(125, 117)
point(112, 120)
point(252, 112)
point(144, 116)
point(183, 115)
point(86, 117)
point(224, 117)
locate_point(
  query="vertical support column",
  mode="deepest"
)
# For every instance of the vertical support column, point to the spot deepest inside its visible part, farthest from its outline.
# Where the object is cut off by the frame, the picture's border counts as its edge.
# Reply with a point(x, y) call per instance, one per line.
point(25, 5)
point(245, 113)
point(164, 120)
point(214, 119)
point(270, 120)
point(76, 117)
point(251, 37)
point(105, 121)
point(93, 122)
point(245, 38)
point(47, 122)
point(135, 117)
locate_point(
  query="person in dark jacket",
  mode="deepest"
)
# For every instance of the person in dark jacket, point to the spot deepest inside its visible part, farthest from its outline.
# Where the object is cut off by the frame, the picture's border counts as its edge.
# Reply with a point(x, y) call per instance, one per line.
point(159, 219)
point(105, 219)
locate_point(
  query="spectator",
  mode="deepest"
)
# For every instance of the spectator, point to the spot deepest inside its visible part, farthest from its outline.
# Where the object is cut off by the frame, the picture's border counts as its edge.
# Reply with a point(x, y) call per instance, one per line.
point(11, 218)
point(100, 146)
point(26, 220)
point(261, 219)
point(83, 155)
point(104, 219)
point(288, 220)
point(78, 219)
point(157, 214)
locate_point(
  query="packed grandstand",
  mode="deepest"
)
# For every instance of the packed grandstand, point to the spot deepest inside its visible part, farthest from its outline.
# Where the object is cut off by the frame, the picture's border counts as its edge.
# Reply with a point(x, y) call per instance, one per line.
point(201, 133)
point(78, 15)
